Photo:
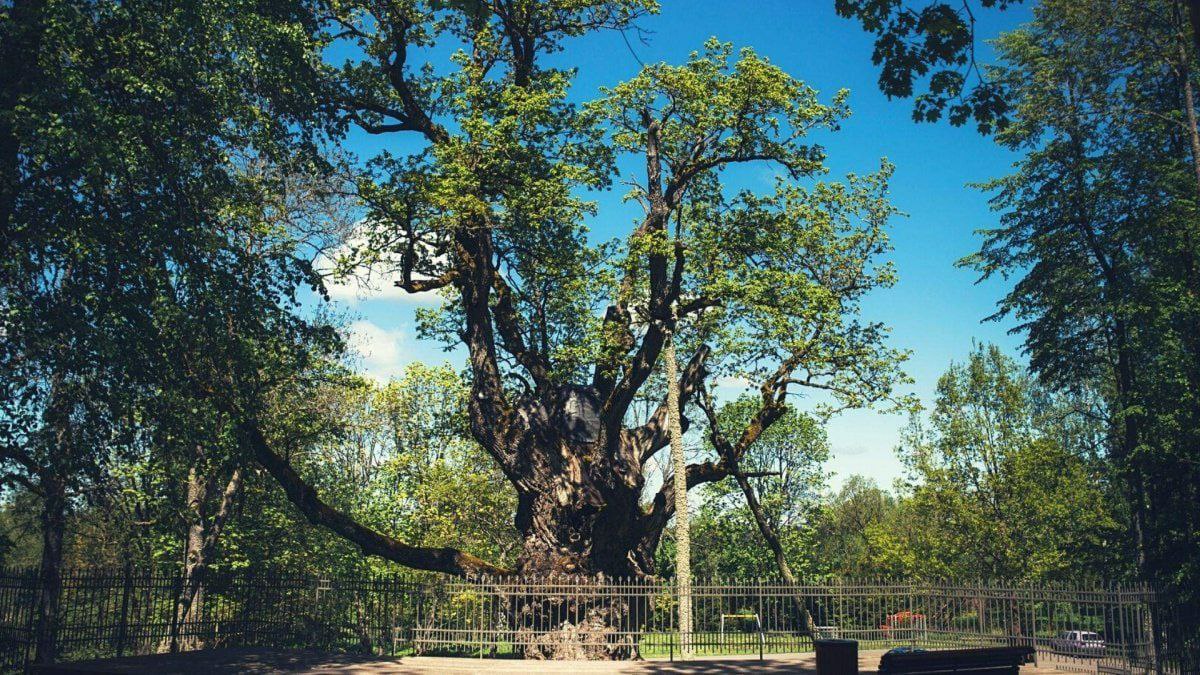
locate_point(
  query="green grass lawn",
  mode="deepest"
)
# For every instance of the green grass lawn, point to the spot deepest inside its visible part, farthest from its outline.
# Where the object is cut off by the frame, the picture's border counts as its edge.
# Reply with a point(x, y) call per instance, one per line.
point(665, 644)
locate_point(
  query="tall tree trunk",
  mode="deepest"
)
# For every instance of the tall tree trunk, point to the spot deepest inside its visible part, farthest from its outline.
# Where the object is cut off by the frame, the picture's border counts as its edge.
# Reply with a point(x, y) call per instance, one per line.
point(203, 536)
point(683, 534)
point(1189, 104)
point(771, 537)
point(54, 516)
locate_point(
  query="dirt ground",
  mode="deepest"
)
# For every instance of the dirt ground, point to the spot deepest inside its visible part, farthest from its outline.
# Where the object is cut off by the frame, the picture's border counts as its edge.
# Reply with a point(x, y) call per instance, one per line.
point(273, 662)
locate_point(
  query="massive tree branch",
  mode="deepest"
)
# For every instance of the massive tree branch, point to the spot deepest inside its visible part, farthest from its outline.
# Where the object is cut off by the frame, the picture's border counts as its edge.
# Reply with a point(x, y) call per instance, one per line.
point(488, 405)
point(410, 115)
point(300, 493)
point(423, 285)
point(664, 293)
point(512, 339)
point(636, 372)
point(664, 284)
point(522, 38)
point(414, 114)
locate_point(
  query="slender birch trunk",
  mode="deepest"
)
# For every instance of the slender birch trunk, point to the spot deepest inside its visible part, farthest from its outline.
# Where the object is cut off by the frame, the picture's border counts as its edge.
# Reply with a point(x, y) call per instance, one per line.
point(683, 537)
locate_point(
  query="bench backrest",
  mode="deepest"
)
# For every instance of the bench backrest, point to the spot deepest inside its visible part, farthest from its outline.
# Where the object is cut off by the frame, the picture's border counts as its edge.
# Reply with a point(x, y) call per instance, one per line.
point(956, 660)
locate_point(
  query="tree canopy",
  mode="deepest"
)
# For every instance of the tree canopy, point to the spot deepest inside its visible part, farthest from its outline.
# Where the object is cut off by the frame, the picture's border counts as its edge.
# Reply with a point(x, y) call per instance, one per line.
point(489, 208)
point(175, 389)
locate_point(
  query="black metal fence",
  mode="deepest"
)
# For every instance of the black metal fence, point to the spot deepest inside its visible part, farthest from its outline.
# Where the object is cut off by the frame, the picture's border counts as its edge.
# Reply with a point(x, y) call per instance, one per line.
point(116, 613)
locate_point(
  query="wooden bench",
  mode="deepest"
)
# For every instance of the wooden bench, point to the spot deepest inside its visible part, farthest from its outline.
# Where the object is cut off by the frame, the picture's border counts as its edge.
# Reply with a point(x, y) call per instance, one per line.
point(984, 661)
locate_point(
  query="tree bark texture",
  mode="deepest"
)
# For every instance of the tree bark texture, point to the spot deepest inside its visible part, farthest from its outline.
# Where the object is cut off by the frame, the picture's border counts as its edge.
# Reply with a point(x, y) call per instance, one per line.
point(683, 534)
point(203, 535)
point(54, 517)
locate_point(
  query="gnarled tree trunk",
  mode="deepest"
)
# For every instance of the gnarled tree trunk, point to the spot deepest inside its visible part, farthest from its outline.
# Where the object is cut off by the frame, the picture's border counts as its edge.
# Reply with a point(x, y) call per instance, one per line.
point(203, 535)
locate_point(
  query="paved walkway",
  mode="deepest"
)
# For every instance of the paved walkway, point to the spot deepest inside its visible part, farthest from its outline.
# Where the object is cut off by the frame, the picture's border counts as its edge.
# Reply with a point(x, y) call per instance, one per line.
point(270, 662)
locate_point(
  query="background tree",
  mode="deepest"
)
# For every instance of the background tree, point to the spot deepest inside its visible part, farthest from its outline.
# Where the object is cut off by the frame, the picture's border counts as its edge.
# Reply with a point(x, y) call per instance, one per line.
point(400, 458)
point(1100, 223)
point(932, 46)
point(123, 209)
point(995, 491)
point(783, 496)
point(1098, 227)
point(849, 525)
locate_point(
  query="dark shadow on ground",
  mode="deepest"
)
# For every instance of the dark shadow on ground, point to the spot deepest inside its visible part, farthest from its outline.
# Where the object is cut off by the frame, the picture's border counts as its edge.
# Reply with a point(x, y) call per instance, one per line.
point(303, 662)
point(222, 662)
point(292, 662)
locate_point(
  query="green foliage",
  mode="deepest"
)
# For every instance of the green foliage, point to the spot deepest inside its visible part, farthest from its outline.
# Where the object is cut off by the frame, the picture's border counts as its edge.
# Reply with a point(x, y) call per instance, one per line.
point(791, 268)
point(133, 229)
point(748, 108)
point(397, 456)
point(508, 153)
point(777, 276)
point(932, 46)
point(997, 488)
point(1099, 230)
point(792, 452)
point(1005, 481)
point(152, 264)
point(517, 161)
point(852, 527)
point(403, 461)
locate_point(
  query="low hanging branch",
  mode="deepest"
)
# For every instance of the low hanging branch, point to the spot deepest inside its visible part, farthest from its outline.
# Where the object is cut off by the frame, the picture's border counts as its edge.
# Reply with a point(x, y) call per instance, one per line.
point(300, 493)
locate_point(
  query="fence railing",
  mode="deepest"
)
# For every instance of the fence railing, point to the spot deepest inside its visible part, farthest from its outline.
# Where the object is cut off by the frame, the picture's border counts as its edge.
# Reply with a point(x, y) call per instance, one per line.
point(116, 613)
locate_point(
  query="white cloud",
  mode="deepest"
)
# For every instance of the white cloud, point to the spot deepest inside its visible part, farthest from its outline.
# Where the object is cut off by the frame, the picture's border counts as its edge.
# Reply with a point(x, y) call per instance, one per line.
point(850, 450)
point(367, 282)
point(381, 350)
point(377, 283)
point(734, 382)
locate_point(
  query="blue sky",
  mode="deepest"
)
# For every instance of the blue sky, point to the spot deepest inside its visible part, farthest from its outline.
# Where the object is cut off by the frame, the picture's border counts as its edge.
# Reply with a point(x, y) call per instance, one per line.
point(935, 310)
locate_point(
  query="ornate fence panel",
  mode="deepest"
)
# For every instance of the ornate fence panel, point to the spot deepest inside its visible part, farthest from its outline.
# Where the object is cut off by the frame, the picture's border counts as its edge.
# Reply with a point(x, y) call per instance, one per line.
point(126, 612)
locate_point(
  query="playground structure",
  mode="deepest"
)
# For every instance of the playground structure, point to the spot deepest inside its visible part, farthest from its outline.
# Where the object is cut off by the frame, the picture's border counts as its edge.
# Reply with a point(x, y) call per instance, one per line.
point(757, 627)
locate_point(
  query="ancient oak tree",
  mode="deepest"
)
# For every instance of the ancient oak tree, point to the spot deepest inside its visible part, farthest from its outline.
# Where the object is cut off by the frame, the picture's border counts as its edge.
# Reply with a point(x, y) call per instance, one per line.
point(481, 195)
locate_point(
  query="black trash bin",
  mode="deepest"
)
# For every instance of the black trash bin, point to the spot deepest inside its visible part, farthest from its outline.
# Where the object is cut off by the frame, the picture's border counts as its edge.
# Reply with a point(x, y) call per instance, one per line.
point(836, 657)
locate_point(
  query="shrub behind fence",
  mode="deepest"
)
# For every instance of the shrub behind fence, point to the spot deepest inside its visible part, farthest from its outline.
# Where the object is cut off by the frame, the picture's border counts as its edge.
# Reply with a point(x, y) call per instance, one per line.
point(128, 612)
